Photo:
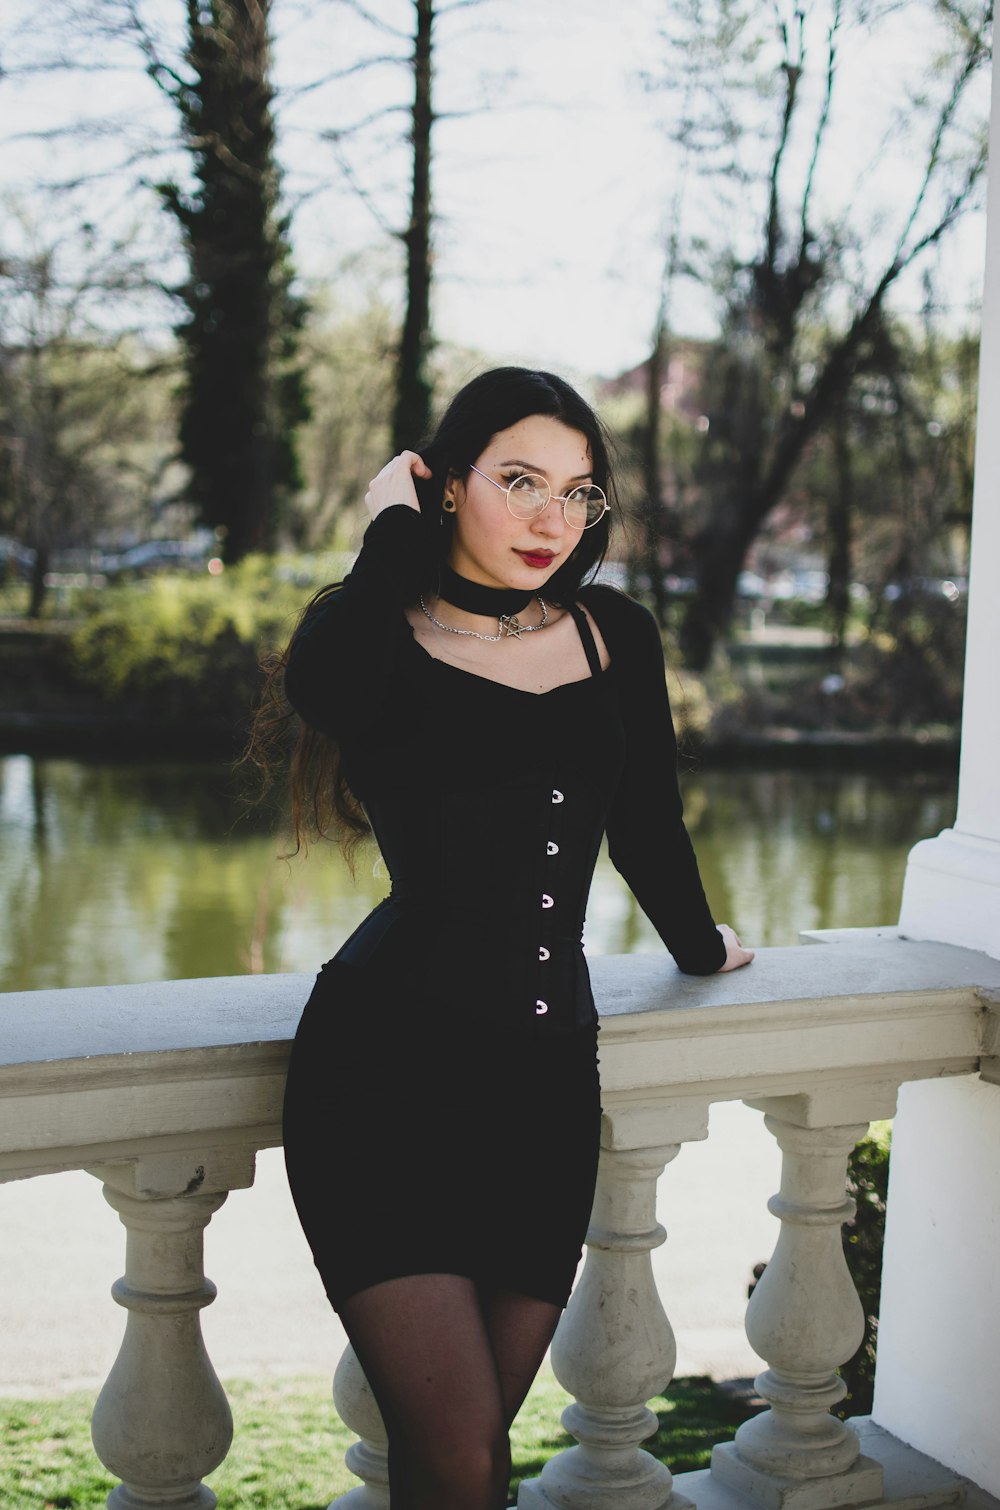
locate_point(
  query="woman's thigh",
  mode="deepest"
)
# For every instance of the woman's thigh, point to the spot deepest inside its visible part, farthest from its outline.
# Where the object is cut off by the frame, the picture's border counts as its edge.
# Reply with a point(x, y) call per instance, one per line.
point(424, 1345)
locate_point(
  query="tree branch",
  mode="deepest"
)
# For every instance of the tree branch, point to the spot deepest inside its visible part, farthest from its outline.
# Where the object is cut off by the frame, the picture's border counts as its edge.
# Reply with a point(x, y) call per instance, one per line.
point(341, 133)
point(976, 51)
point(373, 20)
point(792, 72)
point(343, 73)
point(366, 197)
point(822, 123)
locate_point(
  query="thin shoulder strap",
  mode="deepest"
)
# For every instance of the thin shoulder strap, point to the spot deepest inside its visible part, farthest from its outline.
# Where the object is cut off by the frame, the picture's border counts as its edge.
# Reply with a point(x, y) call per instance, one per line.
point(587, 636)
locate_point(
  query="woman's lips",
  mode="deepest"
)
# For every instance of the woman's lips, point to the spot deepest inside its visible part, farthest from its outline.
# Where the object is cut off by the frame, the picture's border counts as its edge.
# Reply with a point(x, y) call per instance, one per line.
point(538, 559)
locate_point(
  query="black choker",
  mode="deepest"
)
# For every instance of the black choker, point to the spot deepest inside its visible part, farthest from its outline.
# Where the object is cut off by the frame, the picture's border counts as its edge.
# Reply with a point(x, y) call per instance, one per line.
point(474, 597)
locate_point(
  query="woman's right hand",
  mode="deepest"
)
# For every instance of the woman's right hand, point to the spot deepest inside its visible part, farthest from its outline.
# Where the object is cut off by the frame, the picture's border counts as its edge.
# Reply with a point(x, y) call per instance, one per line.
point(736, 955)
point(394, 484)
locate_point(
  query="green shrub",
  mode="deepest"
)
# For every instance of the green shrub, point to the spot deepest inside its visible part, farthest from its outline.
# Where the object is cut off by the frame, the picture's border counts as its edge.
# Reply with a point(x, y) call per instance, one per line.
point(867, 1182)
point(185, 649)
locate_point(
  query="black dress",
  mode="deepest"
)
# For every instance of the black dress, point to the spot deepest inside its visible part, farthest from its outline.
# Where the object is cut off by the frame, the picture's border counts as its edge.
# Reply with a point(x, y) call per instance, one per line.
point(443, 1106)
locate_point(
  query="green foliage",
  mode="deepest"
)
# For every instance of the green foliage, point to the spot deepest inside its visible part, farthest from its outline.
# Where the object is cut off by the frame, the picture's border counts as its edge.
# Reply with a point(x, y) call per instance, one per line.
point(867, 1183)
point(288, 1445)
point(692, 1419)
point(186, 649)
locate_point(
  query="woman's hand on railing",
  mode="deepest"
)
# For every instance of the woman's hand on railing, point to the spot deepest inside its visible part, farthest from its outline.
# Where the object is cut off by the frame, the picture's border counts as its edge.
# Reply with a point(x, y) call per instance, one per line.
point(736, 955)
point(394, 484)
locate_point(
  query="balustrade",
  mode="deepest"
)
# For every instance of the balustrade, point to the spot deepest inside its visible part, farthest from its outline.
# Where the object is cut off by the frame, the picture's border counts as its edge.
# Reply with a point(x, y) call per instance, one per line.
point(162, 1421)
point(805, 1319)
point(614, 1348)
point(170, 1125)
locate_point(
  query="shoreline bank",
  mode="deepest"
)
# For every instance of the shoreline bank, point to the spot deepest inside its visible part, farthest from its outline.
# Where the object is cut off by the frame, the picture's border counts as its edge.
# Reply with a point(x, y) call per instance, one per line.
point(47, 710)
point(100, 733)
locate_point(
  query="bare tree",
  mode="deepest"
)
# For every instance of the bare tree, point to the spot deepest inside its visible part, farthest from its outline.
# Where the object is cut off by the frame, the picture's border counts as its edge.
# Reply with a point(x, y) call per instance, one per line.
point(216, 173)
point(803, 314)
point(414, 52)
point(74, 415)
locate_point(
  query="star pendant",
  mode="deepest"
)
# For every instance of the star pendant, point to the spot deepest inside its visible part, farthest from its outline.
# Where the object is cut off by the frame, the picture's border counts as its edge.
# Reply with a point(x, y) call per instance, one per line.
point(511, 626)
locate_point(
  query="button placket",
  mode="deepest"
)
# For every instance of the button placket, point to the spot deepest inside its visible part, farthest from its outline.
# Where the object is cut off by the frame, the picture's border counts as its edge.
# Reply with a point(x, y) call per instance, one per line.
point(544, 954)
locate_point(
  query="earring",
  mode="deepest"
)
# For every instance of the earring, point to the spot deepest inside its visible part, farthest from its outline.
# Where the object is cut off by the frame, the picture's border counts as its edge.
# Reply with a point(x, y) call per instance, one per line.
point(448, 505)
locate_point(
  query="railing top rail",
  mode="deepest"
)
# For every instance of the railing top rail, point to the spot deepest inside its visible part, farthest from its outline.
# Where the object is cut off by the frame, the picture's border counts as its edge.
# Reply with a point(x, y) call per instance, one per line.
point(103, 1072)
point(90, 1023)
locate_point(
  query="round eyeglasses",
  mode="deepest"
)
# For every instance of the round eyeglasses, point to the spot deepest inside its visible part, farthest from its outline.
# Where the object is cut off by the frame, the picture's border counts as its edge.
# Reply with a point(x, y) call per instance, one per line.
point(529, 494)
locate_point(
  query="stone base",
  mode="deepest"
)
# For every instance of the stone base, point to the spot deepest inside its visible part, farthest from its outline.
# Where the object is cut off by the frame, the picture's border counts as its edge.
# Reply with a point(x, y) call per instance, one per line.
point(532, 1496)
point(910, 1481)
point(861, 1484)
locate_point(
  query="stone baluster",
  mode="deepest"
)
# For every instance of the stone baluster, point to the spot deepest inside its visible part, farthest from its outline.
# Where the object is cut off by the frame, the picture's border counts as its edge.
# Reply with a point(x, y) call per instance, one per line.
point(368, 1458)
point(614, 1348)
point(162, 1420)
point(805, 1319)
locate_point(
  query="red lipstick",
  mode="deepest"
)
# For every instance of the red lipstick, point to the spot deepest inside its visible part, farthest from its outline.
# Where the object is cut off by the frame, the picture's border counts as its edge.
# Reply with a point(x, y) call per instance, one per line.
point(538, 559)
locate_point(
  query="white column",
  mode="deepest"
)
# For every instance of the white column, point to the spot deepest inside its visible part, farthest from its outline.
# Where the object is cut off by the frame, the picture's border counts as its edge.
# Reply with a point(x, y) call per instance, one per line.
point(614, 1348)
point(367, 1458)
point(940, 1303)
point(162, 1420)
point(952, 890)
point(805, 1319)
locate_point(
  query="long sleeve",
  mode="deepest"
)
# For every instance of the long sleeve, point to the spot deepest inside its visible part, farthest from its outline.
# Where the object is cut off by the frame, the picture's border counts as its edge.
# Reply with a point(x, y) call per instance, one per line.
point(342, 657)
point(647, 840)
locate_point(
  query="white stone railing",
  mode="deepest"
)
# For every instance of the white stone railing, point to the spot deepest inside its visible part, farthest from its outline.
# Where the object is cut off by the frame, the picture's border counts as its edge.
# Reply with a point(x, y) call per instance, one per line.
point(165, 1092)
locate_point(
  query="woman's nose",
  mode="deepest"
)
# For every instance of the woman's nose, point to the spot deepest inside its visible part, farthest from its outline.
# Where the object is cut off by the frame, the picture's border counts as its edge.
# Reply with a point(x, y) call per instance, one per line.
point(550, 521)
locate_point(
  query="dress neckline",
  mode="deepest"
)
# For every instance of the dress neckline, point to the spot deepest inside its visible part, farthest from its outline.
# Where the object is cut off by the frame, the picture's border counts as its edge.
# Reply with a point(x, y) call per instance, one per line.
point(578, 681)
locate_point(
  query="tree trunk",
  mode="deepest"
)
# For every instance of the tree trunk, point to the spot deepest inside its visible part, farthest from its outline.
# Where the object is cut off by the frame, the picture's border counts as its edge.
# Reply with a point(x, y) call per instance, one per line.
point(723, 551)
point(39, 572)
point(839, 512)
point(411, 419)
point(653, 475)
point(741, 512)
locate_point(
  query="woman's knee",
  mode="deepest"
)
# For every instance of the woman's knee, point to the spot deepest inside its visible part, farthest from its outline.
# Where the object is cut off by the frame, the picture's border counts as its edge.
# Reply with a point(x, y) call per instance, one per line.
point(468, 1471)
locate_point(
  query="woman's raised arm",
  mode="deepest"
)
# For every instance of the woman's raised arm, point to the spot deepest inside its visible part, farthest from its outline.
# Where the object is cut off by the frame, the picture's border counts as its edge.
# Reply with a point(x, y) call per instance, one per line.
point(341, 657)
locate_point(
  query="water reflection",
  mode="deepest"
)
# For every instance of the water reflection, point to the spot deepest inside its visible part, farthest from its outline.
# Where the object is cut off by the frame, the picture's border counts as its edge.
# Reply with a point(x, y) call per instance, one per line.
point(129, 873)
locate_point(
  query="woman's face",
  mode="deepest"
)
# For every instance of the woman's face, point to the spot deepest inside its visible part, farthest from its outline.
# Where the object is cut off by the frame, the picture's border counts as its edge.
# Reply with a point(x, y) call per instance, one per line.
point(489, 545)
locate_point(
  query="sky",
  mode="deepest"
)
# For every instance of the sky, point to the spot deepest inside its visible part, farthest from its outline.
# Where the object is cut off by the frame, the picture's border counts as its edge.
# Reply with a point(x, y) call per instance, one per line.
point(554, 181)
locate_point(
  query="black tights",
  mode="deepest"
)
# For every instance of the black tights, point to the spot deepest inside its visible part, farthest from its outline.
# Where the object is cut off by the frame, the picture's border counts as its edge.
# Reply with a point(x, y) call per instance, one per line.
point(449, 1366)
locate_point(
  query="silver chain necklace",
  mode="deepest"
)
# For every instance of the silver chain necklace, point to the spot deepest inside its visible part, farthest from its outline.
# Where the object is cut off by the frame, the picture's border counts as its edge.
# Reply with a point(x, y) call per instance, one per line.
point(508, 624)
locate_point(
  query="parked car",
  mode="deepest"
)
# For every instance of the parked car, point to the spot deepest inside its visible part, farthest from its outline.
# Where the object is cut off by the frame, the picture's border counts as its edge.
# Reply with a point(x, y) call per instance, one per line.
point(750, 585)
point(951, 588)
point(157, 555)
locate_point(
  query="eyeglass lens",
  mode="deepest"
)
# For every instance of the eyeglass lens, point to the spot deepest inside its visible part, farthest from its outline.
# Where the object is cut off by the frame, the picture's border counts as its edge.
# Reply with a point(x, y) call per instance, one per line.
point(528, 495)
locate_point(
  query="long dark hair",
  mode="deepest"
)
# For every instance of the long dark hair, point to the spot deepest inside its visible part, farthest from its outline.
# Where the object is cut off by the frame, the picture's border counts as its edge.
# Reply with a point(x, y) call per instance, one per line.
point(321, 801)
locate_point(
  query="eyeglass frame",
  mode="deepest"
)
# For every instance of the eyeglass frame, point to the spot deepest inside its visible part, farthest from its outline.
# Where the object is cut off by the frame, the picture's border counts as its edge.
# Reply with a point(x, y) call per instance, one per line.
point(553, 497)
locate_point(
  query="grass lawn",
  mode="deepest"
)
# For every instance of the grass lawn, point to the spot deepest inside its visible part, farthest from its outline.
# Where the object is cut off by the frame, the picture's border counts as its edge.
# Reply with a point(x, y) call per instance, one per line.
point(288, 1448)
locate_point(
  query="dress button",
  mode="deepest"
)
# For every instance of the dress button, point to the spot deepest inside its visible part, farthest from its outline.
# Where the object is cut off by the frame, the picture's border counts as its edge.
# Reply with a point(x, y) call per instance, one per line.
point(541, 1007)
point(557, 795)
point(543, 953)
point(551, 848)
point(547, 900)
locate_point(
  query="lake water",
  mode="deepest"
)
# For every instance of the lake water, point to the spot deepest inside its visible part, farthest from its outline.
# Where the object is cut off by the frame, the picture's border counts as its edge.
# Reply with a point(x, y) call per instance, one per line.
point(115, 874)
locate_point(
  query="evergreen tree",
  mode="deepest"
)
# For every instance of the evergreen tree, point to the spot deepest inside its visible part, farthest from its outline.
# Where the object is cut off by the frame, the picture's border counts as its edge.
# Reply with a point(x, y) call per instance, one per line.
point(244, 392)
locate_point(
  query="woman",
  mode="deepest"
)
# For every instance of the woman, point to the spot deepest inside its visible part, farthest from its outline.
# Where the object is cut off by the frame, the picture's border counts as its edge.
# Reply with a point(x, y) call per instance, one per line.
point(489, 717)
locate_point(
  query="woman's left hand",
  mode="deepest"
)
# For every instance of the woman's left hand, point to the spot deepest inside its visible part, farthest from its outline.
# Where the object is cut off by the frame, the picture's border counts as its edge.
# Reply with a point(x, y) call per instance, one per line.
point(736, 955)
